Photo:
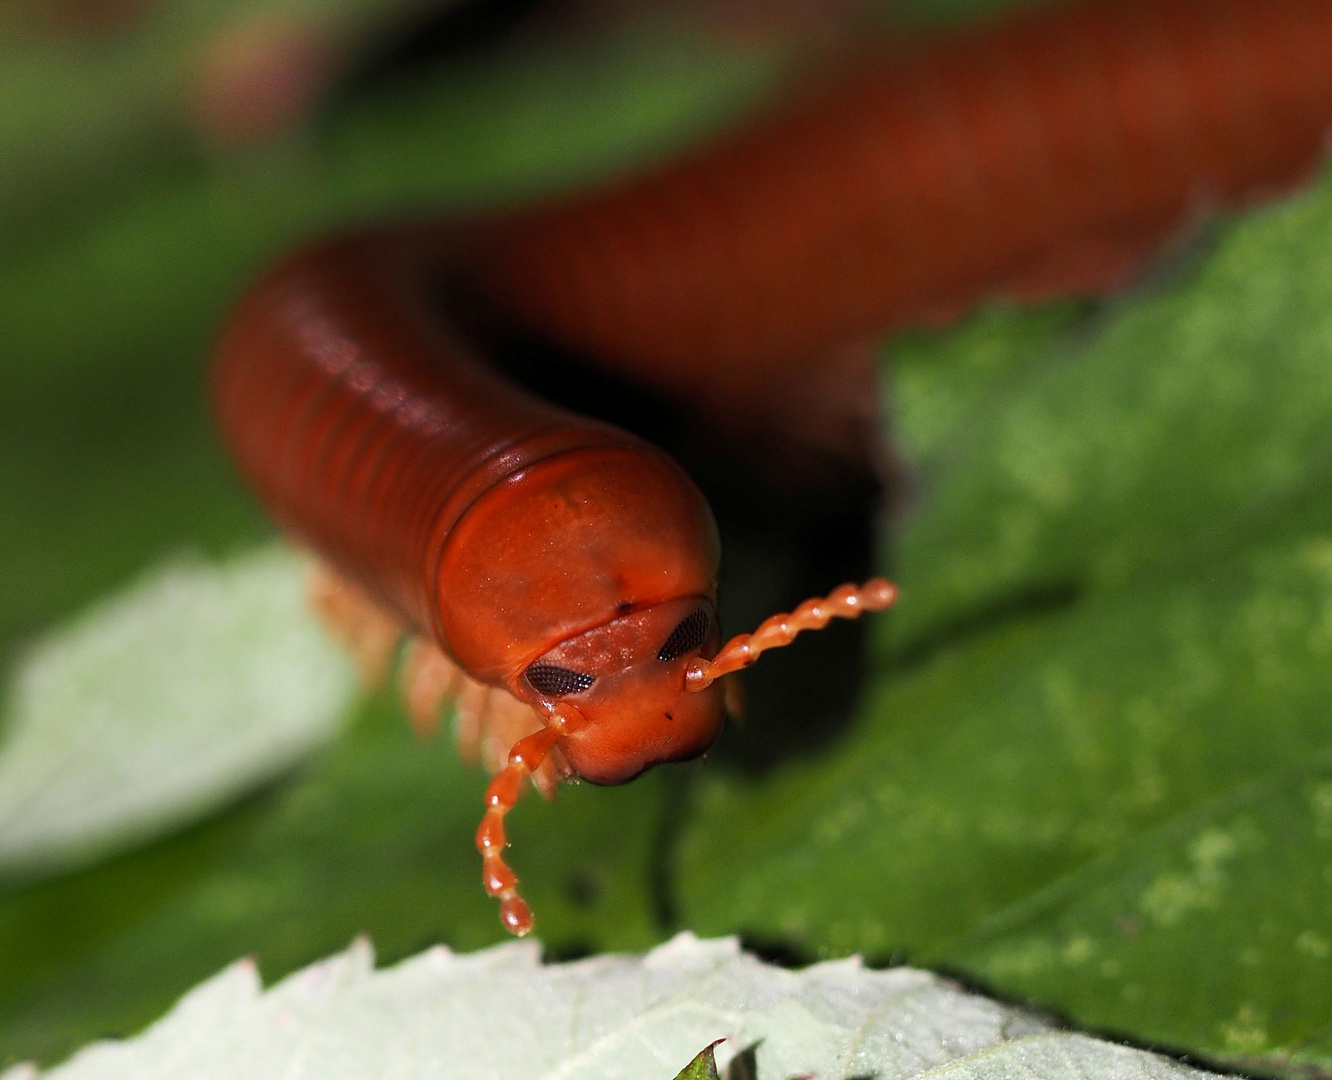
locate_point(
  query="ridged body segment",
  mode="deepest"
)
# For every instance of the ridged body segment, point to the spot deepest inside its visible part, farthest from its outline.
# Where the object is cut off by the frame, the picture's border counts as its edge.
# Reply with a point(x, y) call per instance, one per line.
point(370, 431)
point(1041, 156)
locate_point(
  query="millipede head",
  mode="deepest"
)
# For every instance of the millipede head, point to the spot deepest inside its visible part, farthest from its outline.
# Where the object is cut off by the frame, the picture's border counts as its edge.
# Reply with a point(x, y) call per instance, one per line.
point(626, 678)
point(631, 693)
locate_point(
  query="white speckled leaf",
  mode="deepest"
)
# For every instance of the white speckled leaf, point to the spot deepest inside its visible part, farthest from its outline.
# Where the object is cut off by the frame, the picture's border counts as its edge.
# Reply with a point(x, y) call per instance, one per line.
point(163, 702)
point(500, 1013)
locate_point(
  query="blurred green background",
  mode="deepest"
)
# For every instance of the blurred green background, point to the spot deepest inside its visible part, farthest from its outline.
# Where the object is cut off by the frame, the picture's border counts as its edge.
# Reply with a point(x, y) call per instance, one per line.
point(1092, 766)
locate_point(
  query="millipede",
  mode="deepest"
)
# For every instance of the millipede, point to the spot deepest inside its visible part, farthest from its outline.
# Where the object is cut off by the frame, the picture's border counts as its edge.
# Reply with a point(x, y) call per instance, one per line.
point(557, 575)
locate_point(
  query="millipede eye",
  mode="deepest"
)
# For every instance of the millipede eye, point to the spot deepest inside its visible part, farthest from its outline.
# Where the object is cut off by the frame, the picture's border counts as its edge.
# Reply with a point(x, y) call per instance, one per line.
point(689, 633)
point(551, 680)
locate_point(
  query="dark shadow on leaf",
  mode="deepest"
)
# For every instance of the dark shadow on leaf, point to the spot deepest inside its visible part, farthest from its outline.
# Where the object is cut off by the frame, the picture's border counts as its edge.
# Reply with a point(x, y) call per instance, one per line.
point(1247, 1066)
point(782, 953)
point(1039, 600)
point(744, 1066)
point(584, 887)
point(788, 954)
point(434, 35)
point(567, 951)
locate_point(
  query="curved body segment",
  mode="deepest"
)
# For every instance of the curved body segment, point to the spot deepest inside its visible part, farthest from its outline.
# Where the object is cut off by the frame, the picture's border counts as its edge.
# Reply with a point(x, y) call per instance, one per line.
point(485, 518)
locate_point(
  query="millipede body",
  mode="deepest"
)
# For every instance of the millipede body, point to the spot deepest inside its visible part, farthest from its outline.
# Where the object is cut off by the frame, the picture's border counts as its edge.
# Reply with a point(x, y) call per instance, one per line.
point(571, 566)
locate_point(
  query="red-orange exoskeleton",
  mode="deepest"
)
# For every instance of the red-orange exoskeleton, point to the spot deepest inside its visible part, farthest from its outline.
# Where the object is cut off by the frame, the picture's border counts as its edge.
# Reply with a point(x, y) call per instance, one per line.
point(559, 574)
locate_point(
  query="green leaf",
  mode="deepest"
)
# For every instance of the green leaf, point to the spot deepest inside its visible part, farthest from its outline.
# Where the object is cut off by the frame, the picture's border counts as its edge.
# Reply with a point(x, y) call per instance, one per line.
point(116, 112)
point(945, 12)
point(944, 384)
point(162, 704)
point(90, 111)
point(1192, 422)
point(500, 1014)
point(1117, 612)
point(703, 1067)
point(1213, 932)
point(977, 778)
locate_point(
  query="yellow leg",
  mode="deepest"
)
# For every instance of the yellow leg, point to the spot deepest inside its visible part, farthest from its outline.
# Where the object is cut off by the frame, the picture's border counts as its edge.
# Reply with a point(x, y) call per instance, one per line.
point(428, 680)
point(356, 621)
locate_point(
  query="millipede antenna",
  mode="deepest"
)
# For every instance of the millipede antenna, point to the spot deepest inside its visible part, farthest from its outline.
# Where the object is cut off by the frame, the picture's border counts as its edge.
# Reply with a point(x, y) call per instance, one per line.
point(845, 602)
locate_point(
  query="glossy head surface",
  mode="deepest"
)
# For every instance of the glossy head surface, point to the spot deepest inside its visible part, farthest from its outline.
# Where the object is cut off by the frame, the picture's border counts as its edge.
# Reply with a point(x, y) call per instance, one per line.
point(627, 680)
point(569, 544)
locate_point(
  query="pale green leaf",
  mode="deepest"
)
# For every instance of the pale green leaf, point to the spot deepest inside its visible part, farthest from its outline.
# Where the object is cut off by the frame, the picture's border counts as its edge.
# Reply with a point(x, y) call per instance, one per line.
point(500, 1013)
point(161, 704)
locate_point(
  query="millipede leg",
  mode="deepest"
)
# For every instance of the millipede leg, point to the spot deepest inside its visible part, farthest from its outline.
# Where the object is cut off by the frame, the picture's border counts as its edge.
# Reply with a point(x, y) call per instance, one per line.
point(356, 622)
point(508, 721)
point(487, 720)
point(526, 757)
point(490, 721)
point(428, 680)
point(470, 707)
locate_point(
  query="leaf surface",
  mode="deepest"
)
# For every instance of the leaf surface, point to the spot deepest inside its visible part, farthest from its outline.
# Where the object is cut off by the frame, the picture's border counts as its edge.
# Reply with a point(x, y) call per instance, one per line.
point(703, 1067)
point(1113, 624)
point(1179, 425)
point(1115, 611)
point(500, 1013)
point(193, 686)
point(1238, 887)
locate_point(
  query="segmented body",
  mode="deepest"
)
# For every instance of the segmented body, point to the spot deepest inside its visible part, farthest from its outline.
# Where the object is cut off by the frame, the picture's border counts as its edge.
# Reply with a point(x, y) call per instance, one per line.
point(369, 428)
point(1037, 156)
point(1041, 156)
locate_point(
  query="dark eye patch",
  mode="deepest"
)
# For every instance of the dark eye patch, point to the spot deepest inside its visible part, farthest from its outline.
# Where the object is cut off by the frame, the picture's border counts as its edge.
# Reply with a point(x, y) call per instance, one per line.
point(689, 633)
point(551, 680)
